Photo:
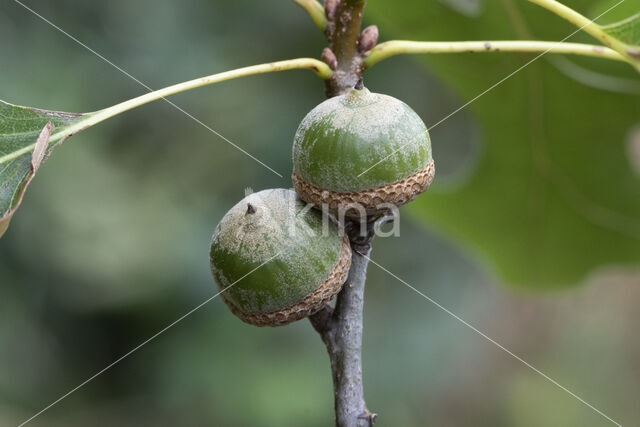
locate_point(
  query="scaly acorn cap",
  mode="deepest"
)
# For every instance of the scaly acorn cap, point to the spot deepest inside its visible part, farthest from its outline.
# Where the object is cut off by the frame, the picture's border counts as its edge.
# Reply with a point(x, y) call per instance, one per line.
point(276, 261)
point(362, 148)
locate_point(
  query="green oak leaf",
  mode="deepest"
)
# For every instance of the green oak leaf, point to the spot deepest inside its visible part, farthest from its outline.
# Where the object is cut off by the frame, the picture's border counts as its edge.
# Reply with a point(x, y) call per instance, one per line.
point(554, 194)
point(27, 137)
point(627, 30)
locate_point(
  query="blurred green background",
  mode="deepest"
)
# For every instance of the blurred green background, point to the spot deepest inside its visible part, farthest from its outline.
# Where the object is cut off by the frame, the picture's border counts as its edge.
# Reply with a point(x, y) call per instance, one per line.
point(111, 243)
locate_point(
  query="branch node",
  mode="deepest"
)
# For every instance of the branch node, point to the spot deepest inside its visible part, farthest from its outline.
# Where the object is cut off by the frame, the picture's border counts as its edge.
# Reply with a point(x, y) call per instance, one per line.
point(342, 32)
point(368, 416)
point(634, 52)
point(330, 7)
point(368, 39)
point(329, 58)
point(361, 234)
point(321, 320)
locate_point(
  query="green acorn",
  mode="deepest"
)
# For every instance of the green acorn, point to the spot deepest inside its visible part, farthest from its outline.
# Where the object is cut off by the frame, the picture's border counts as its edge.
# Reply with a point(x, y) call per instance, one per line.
point(362, 148)
point(276, 261)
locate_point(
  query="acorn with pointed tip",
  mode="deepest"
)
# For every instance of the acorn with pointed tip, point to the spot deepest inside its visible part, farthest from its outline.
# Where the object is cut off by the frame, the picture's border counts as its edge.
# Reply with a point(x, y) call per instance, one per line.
point(275, 260)
point(362, 149)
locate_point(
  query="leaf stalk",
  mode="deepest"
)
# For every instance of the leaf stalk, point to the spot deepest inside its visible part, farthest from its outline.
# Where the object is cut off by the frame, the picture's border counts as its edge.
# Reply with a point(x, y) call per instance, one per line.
point(590, 27)
point(398, 47)
point(318, 67)
point(315, 11)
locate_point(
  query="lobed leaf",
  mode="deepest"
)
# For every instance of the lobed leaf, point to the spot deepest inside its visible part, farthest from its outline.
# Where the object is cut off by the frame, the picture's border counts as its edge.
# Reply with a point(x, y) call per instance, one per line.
point(627, 30)
point(27, 138)
point(554, 195)
point(622, 36)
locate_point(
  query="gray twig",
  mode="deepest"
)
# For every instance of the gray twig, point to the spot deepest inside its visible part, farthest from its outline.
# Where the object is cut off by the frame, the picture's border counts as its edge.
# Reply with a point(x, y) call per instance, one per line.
point(341, 327)
point(341, 331)
point(343, 35)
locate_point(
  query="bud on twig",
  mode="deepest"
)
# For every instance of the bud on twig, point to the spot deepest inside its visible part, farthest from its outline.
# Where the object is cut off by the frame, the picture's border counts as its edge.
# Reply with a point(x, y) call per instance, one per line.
point(329, 58)
point(368, 39)
point(330, 7)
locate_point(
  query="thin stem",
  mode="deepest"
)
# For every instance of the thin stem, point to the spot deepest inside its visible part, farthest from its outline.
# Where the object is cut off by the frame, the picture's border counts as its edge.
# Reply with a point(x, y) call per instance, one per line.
point(348, 22)
point(342, 33)
point(318, 67)
point(589, 27)
point(341, 331)
point(398, 47)
point(341, 327)
point(315, 10)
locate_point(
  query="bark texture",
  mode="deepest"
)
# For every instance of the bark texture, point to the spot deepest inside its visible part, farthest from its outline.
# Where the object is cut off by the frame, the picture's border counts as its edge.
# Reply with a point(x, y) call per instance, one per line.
point(341, 327)
point(343, 34)
point(341, 331)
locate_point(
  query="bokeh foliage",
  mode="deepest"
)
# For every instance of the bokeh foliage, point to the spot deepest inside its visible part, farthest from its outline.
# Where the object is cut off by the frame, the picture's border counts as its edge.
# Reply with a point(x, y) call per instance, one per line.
point(554, 195)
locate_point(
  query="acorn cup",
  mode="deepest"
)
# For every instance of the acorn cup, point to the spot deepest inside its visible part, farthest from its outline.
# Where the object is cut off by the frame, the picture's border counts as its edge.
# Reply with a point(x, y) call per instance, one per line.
point(275, 261)
point(361, 152)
